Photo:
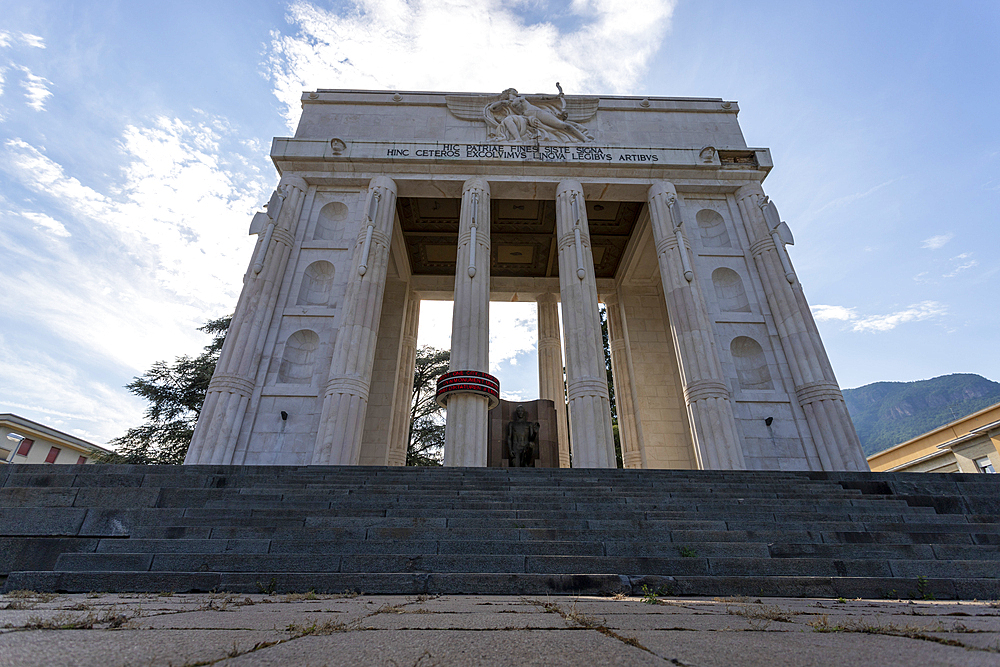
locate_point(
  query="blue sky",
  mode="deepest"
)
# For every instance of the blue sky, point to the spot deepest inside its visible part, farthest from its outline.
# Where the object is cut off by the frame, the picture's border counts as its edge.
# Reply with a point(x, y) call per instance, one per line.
point(134, 138)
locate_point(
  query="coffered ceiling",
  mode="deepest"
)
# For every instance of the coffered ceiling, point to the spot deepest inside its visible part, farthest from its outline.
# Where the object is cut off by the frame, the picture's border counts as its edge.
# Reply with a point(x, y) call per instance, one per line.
point(523, 235)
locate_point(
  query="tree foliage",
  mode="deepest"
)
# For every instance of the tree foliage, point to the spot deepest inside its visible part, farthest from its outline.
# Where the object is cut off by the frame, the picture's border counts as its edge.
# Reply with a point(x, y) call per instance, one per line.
point(176, 392)
point(611, 387)
point(425, 446)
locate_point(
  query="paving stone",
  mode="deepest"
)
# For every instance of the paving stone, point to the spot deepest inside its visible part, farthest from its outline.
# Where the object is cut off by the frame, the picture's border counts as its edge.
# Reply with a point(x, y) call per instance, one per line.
point(798, 649)
point(552, 648)
point(126, 647)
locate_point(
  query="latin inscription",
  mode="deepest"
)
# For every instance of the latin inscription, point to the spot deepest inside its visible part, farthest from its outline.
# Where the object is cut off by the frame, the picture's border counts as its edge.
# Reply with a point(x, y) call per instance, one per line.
point(522, 153)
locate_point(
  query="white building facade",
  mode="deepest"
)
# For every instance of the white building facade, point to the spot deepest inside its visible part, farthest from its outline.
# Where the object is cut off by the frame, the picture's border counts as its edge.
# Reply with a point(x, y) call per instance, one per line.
point(651, 206)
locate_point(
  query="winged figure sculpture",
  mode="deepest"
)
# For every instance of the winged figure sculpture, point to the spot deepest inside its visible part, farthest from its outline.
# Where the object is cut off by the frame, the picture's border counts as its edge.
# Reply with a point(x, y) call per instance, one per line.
point(515, 118)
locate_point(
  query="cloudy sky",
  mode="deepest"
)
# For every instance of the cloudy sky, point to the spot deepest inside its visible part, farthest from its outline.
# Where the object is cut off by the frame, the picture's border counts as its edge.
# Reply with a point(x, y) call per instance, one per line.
point(134, 138)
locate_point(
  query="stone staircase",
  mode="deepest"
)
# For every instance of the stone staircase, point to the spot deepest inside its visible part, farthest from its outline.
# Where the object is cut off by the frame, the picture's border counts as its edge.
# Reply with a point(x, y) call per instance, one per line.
point(502, 531)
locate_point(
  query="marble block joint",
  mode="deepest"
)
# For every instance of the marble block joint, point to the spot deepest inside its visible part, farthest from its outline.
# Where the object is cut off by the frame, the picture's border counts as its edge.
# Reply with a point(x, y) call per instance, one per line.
point(646, 212)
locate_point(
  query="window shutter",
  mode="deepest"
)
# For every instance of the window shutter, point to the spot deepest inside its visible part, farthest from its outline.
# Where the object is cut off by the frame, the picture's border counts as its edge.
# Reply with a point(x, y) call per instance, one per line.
point(80, 461)
point(53, 453)
point(25, 447)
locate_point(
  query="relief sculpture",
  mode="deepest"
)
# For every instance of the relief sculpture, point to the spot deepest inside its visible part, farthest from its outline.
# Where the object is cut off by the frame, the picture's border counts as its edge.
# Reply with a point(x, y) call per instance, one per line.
point(516, 118)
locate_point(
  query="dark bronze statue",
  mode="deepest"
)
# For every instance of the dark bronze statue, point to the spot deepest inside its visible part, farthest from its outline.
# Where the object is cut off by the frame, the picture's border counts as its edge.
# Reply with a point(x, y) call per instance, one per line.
point(522, 436)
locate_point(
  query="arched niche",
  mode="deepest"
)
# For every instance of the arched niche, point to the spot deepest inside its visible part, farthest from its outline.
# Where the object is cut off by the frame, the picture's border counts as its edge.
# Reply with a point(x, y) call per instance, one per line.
point(317, 280)
point(729, 291)
point(713, 229)
point(751, 365)
point(299, 357)
point(331, 219)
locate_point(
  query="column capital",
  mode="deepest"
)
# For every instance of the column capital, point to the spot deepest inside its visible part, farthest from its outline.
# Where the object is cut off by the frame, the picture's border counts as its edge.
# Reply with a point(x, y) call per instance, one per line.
point(476, 183)
point(547, 297)
point(383, 182)
point(661, 188)
point(749, 190)
point(296, 182)
point(569, 186)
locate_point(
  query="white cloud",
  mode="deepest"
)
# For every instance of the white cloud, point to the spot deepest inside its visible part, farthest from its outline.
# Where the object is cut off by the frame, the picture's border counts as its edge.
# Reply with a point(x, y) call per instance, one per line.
point(153, 258)
point(935, 242)
point(45, 222)
point(32, 40)
point(915, 313)
point(463, 45)
point(4, 39)
point(964, 263)
point(513, 329)
point(35, 89)
point(851, 198)
point(823, 313)
point(31, 382)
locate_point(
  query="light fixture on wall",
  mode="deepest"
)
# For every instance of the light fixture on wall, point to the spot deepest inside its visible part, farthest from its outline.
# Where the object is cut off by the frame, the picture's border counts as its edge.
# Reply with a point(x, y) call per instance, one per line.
point(284, 416)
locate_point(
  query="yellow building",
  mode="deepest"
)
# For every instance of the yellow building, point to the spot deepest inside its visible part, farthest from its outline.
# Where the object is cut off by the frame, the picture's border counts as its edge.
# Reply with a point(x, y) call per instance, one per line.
point(25, 441)
point(969, 444)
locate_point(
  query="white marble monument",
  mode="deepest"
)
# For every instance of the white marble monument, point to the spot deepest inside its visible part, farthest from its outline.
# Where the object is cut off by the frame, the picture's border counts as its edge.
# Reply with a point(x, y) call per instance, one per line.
point(651, 206)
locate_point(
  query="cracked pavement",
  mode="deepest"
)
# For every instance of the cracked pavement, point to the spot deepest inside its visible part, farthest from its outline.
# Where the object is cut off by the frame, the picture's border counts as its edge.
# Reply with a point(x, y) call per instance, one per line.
point(233, 630)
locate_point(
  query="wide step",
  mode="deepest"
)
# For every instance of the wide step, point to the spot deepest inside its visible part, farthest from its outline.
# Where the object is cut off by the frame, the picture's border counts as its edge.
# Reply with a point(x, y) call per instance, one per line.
point(392, 530)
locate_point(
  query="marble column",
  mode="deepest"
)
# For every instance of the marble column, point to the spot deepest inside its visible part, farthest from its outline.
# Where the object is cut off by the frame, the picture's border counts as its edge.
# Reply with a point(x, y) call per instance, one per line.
point(590, 430)
point(218, 428)
point(345, 402)
point(706, 394)
point(816, 388)
point(399, 429)
point(465, 442)
point(550, 369)
point(621, 370)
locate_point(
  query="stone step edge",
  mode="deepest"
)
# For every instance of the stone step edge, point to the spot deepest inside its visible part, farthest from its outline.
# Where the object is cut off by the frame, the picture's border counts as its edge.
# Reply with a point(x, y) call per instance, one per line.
point(650, 587)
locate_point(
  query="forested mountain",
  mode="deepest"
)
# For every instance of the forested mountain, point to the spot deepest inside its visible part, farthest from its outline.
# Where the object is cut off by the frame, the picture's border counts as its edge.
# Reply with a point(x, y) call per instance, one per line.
point(888, 413)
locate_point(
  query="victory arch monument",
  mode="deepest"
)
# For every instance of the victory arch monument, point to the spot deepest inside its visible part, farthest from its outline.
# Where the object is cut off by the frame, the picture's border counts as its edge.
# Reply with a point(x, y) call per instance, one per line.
point(651, 206)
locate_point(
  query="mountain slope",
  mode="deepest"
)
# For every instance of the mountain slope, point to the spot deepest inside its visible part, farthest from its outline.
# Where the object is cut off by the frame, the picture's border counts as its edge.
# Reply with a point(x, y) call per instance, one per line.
point(888, 413)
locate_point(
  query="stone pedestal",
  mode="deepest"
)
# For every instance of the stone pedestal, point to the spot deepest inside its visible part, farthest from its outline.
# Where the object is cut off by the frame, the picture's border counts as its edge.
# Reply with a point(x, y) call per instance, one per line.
point(543, 411)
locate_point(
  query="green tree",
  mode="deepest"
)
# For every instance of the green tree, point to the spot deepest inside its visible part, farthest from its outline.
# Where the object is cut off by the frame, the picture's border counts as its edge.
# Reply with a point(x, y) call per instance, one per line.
point(176, 392)
point(425, 446)
point(611, 386)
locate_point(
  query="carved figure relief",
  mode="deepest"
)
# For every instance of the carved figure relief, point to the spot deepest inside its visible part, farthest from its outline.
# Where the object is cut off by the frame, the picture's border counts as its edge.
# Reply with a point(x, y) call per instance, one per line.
point(521, 438)
point(514, 118)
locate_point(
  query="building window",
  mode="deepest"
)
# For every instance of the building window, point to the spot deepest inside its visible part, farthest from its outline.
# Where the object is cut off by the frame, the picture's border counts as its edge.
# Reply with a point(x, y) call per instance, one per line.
point(25, 447)
point(80, 461)
point(53, 453)
point(984, 465)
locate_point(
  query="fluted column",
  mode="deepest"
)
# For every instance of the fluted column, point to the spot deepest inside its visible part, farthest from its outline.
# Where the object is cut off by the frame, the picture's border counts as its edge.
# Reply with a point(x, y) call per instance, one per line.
point(621, 370)
point(232, 384)
point(465, 440)
point(399, 430)
point(591, 435)
point(706, 394)
point(816, 388)
point(550, 369)
point(346, 399)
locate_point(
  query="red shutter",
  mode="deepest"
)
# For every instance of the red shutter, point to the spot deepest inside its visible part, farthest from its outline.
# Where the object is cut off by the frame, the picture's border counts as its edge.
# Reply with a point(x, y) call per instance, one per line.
point(53, 453)
point(25, 447)
point(80, 461)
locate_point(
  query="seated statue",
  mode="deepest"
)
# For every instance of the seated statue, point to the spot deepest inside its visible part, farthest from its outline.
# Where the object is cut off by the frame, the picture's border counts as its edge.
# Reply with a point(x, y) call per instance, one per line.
point(521, 438)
